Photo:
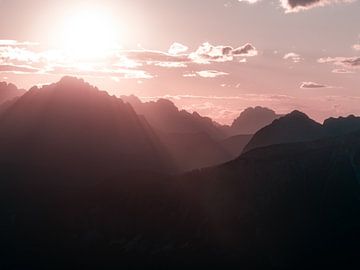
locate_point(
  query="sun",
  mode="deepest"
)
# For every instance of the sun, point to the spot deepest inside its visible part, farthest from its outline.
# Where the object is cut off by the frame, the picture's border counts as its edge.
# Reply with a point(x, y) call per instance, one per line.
point(89, 34)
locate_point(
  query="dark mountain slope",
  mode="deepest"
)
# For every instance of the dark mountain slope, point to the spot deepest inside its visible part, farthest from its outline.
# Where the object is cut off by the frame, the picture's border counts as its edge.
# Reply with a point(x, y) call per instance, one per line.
point(235, 144)
point(293, 205)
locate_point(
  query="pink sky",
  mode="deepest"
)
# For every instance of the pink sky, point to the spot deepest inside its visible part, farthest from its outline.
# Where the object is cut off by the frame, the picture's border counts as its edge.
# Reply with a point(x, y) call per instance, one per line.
point(216, 58)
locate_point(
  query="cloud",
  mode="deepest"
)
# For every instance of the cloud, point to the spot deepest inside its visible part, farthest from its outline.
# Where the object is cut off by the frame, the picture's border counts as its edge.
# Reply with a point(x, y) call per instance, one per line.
point(118, 63)
point(18, 69)
point(291, 6)
point(177, 48)
point(249, 1)
point(211, 73)
point(311, 85)
point(346, 62)
point(207, 53)
point(298, 5)
point(342, 71)
point(293, 57)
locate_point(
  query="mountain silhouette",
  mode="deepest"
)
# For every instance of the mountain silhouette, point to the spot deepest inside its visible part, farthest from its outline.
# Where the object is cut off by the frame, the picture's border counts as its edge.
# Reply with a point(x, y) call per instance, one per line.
point(73, 127)
point(293, 127)
point(9, 91)
point(341, 125)
point(192, 140)
point(164, 116)
point(253, 119)
point(88, 182)
point(277, 207)
point(298, 127)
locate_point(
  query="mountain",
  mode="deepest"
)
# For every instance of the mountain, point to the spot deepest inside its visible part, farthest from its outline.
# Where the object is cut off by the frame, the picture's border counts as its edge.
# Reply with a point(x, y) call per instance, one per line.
point(193, 141)
point(74, 128)
point(293, 127)
point(9, 91)
point(164, 116)
point(298, 127)
point(253, 119)
point(290, 206)
point(341, 125)
point(286, 206)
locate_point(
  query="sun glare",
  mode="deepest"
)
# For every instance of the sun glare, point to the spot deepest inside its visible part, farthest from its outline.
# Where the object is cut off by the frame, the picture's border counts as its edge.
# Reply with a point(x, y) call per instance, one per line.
point(89, 34)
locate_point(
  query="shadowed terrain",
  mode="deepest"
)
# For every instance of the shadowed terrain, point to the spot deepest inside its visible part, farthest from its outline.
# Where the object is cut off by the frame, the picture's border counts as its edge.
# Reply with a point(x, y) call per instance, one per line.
point(86, 182)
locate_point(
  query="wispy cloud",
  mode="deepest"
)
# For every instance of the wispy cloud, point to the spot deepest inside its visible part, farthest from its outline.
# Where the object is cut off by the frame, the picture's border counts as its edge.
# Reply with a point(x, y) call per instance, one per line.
point(346, 62)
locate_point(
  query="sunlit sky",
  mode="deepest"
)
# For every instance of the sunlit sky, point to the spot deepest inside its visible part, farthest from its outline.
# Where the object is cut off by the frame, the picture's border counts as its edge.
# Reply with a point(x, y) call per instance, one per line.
point(213, 56)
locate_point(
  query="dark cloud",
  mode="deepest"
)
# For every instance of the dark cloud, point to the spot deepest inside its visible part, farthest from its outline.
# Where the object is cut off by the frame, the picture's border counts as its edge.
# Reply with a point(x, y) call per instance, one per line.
point(297, 5)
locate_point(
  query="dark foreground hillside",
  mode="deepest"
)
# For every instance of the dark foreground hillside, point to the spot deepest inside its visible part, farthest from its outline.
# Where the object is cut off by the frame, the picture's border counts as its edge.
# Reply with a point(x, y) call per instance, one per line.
point(289, 206)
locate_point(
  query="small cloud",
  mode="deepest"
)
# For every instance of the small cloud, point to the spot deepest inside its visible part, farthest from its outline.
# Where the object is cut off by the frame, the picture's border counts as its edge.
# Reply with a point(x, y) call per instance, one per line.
point(312, 85)
point(300, 5)
point(189, 75)
point(249, 1)
point(171, 64)
point(211, 73)
point(177, 48)
point(292, 6)
point(294, 57)
point(208, 53)
point(342, 71)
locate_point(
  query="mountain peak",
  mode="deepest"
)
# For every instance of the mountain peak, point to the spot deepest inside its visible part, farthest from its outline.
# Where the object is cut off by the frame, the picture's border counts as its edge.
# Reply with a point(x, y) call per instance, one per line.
point(252, 119)
point(293, 127)
point(297, 114)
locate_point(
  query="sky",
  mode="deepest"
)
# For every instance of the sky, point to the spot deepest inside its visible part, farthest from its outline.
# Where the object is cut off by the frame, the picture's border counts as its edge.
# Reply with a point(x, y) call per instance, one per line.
point(216, 57)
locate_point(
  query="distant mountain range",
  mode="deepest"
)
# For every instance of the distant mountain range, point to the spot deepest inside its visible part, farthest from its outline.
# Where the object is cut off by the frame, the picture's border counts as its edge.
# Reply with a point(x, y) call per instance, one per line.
point(9, 91)
point(91, 181)
point(192, 140)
